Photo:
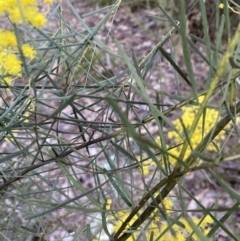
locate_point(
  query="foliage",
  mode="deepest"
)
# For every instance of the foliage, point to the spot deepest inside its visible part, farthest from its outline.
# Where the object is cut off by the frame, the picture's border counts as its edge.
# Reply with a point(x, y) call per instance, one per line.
point(79, 160)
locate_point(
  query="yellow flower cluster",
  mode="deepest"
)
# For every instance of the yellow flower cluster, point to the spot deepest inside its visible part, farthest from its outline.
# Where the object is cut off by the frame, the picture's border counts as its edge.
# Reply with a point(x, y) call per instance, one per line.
point(18, 11)
point(108, 204)
point(182, 233)
point(158, 228)
point(144, 165)
point(22, 11)
point(206, 122)
point(10, 63)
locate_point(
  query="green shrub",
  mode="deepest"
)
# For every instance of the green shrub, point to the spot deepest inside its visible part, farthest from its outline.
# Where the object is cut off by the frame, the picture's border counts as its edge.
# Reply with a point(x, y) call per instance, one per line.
point(79, 157)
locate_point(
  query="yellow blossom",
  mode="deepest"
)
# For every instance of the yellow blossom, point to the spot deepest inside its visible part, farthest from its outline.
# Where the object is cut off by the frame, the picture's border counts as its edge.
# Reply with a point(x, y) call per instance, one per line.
point(206, 224)
point(205, 124)
point(22, 11)
point(36, 20)
point(221, 5)
point(2, 8)
point(28, 51)
point(158, 227)
point(25, 117)
point(7, 80)
point(108, 204)
point(183, 233)
point(15, 15)
point(168, 236)
point(167, 206)
point(50, 2)
point(10, 137)
point(7, 39)
point(2, 58)
point(145, 165)
point(28, 2)
point(121, 217)
point(12, 65)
